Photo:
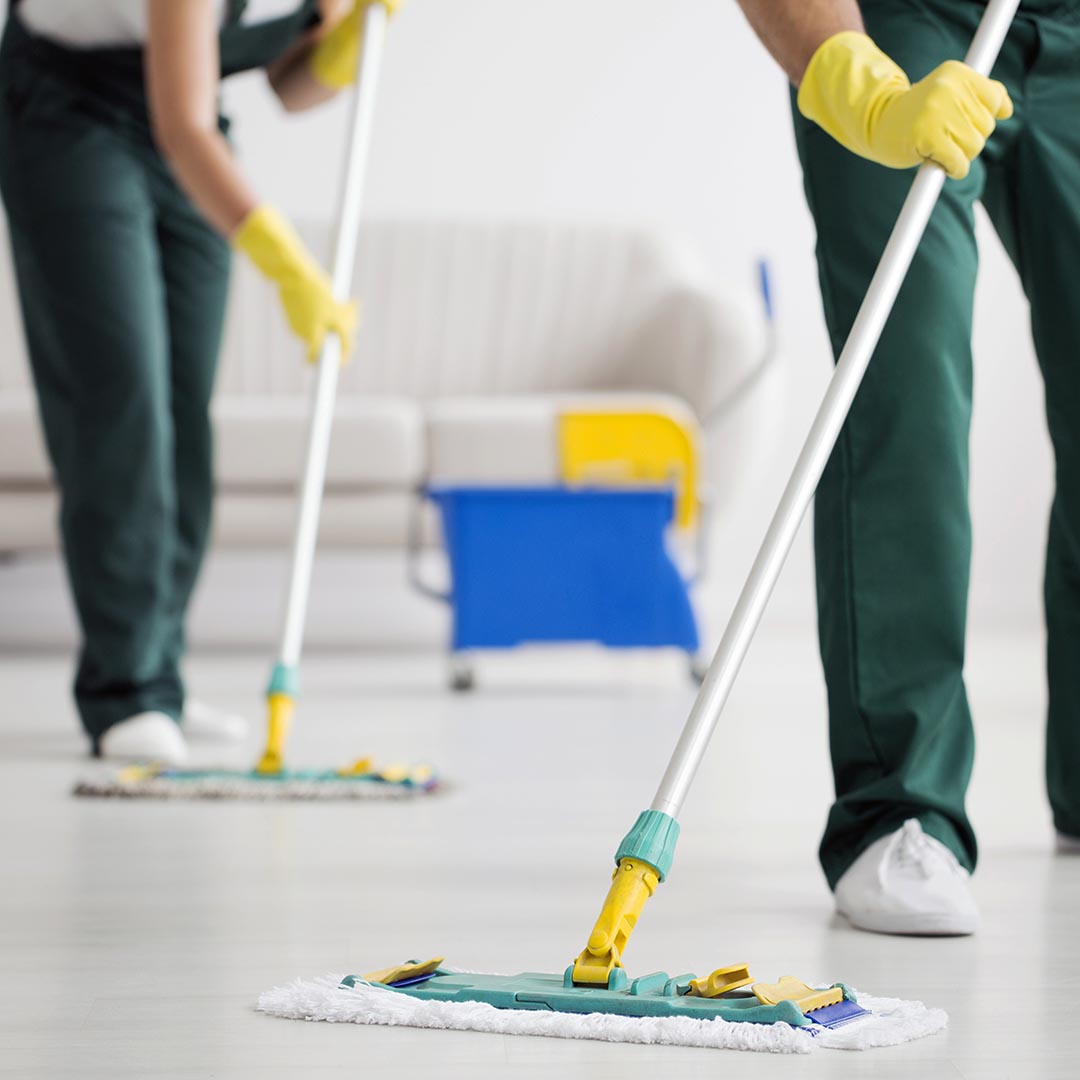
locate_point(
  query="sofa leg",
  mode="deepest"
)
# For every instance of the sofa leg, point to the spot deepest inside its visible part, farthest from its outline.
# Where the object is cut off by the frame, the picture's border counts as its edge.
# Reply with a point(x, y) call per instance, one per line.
point(462, 673)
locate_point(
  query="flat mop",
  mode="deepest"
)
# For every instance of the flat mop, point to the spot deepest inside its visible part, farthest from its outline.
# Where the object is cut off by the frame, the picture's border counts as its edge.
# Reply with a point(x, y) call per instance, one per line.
point(594, 997)
point(270, 779)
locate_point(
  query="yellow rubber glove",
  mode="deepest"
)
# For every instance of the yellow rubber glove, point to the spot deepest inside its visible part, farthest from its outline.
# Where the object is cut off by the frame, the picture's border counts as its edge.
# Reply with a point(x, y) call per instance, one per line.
point(336, 59)
point(865, 102)
point(272, 244)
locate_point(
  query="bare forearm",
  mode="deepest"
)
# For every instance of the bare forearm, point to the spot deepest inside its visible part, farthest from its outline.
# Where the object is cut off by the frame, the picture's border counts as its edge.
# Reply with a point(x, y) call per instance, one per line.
point(205, 168)
point(296, 88)
point(290, 76)
point(182, 74)
point(793, 29)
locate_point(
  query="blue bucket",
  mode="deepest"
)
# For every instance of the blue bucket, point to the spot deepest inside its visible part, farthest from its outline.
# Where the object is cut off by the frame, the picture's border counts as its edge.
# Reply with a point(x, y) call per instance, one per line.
point(563, 564)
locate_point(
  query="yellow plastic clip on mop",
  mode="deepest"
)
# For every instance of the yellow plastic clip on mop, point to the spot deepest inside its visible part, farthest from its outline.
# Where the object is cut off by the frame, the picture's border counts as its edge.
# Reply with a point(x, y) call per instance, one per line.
point(655, 1008)
point(270, 778)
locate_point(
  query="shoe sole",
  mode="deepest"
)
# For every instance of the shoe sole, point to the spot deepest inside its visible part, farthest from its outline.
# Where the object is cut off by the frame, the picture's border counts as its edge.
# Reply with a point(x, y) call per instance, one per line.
point(914, 925)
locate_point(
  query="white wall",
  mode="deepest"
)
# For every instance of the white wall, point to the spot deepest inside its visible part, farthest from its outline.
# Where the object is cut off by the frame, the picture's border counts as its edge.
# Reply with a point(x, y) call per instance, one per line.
point(671, 114)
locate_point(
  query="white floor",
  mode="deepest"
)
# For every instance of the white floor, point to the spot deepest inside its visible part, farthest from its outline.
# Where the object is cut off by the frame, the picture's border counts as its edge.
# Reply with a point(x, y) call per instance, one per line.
point(135, 937)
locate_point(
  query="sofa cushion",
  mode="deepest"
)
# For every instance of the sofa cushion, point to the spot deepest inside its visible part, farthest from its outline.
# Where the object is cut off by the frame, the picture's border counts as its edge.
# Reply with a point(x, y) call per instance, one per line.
point(248, 519)
point(348, 520)
point(376, 442)
point(506, 440)
point(23, 460)
point(28, 520)
point(259, 442)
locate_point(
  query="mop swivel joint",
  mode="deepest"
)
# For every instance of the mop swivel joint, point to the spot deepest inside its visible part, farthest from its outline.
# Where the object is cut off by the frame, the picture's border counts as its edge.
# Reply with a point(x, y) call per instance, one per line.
point(632, 884)
point(642, 861)
point(280, 708)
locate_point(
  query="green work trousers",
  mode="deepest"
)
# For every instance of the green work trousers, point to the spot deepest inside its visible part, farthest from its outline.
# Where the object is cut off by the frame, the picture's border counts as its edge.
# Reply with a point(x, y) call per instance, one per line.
point(122, 286)
point(891, 524)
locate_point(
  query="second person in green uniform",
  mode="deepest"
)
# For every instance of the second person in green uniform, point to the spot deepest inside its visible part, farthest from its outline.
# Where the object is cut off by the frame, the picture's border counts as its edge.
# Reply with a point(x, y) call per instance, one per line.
point(123, 199)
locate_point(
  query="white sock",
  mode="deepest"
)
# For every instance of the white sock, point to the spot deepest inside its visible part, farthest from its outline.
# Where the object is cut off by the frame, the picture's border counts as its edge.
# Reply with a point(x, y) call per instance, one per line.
point(202, 721)
point(145, 737)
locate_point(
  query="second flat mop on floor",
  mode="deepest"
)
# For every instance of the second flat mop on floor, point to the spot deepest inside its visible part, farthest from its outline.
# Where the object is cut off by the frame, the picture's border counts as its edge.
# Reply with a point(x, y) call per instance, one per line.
point(726, 1008)
point(270, 779)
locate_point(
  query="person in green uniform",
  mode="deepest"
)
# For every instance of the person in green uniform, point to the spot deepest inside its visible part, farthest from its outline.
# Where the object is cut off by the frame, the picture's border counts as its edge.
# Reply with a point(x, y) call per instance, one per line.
point(123, 201)
point(880, 89)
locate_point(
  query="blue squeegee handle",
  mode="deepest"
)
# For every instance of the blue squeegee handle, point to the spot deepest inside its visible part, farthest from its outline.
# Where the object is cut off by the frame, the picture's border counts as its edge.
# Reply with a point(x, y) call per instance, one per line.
point(865, 333)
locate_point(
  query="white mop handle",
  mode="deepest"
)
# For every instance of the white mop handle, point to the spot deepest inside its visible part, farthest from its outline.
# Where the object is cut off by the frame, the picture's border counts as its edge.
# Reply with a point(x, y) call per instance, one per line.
point(350, 203)
point(850, 368)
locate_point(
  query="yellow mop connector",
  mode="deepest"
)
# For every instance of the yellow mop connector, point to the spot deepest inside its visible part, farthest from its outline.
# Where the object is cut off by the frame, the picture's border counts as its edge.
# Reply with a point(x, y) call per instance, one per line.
point(277, 729)
point(633, 883)
point(642, 861)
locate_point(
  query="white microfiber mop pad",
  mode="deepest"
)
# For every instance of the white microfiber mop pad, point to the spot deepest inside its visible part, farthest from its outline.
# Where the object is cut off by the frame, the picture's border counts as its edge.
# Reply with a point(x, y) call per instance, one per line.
point(892, 1022)
point(190, 784)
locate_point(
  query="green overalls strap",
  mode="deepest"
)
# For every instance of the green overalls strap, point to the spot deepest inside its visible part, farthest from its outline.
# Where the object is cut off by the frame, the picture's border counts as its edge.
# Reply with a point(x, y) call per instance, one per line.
point(891, 524)
point(122, 286)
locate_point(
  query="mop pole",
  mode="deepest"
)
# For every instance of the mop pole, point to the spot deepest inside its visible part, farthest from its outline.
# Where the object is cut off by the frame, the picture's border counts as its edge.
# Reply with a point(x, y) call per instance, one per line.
point(646, 853)
point(284, 680)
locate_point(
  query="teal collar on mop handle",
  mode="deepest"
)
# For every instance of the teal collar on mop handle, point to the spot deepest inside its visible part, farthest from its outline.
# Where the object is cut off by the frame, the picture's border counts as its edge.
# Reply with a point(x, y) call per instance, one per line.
point(284, 679)
point(652, 840)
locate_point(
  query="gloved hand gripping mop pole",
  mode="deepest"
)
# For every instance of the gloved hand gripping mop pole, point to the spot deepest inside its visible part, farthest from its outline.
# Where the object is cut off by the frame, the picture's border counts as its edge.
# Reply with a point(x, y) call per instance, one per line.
point(284, 680)
point(645, 855)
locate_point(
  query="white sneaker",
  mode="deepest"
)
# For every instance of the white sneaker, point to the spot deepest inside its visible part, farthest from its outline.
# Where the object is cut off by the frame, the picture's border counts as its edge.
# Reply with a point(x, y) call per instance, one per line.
point(201, 721)
point(145, 737)
point(908, 883)
point(1068, 845)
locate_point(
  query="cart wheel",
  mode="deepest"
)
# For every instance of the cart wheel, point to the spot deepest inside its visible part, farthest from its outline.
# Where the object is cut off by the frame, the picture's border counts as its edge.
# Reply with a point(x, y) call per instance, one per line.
point(698, 667)
point(462, 675)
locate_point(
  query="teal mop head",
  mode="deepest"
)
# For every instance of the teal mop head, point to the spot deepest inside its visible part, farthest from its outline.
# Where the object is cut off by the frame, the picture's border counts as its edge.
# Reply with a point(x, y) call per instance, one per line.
point(655, 1008)
point(362, 781)
point(658, 995)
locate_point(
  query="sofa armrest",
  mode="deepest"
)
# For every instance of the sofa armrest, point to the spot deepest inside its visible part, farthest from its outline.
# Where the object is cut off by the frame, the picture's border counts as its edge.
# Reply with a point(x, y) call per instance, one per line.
point(715, 350)
point(704, 346)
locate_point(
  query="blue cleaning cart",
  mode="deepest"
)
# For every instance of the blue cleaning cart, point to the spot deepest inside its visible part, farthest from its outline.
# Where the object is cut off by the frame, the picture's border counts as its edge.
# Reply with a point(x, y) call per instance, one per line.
point(561, 564)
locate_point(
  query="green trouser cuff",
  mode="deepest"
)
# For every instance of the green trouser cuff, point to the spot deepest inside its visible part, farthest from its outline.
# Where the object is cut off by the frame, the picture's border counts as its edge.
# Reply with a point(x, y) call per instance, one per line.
point(836, 860)
point(1067, 827)
point(652, 840)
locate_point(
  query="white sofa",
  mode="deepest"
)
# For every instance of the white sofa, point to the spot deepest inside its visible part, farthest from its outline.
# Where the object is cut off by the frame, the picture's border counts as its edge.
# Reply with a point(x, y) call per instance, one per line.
point(464, 328)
